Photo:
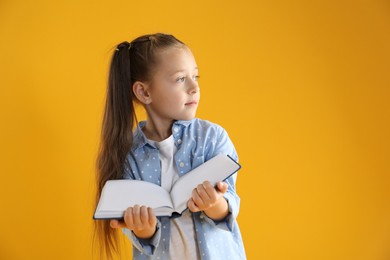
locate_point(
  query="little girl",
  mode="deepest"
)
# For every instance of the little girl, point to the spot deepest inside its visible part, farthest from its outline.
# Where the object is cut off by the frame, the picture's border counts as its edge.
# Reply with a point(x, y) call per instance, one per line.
point(159, 72)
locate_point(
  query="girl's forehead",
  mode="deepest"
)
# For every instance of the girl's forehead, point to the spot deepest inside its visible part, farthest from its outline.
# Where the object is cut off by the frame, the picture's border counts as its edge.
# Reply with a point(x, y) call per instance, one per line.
point(175, 58)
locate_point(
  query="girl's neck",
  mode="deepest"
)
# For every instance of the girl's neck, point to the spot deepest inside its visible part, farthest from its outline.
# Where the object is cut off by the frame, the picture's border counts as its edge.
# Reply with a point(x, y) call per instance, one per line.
point(157, 130)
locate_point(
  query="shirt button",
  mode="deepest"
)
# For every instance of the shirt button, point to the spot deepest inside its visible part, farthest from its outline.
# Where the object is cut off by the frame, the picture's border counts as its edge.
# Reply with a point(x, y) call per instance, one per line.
point(179, 141)
point(181, 164)
point(176, 129)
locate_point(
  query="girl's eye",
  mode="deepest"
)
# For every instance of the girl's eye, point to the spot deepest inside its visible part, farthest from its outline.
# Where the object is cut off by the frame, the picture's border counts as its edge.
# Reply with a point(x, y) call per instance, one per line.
point(181, 79)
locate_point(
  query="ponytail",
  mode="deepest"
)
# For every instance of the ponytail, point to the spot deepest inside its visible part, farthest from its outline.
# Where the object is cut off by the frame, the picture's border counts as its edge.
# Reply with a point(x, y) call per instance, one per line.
point(116, 138)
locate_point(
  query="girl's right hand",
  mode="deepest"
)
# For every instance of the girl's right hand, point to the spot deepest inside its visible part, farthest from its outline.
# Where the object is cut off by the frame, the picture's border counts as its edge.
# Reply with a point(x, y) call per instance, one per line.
point(140, 219)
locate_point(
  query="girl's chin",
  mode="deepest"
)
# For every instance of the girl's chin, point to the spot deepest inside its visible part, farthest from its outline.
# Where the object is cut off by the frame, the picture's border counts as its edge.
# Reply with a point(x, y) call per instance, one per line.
point(186, 118)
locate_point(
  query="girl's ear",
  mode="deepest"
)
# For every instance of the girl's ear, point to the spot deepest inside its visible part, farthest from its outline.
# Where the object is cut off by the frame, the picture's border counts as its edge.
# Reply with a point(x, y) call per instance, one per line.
point(141, 91)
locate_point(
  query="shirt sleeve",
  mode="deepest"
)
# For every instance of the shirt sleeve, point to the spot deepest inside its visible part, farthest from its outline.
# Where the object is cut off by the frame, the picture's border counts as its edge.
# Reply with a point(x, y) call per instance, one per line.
point(145, 246)
point(225, 146)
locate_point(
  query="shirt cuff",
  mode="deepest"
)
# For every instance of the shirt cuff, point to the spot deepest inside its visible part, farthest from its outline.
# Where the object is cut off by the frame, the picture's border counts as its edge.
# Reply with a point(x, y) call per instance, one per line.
point(145, 246)
point(226, 223)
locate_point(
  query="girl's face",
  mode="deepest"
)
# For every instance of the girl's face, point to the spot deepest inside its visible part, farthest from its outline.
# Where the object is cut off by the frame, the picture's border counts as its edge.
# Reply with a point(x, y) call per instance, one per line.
point(174, 89)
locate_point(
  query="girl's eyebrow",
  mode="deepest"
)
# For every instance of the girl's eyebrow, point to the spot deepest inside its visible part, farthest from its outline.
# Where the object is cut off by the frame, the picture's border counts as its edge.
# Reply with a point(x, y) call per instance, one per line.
point(195, 68)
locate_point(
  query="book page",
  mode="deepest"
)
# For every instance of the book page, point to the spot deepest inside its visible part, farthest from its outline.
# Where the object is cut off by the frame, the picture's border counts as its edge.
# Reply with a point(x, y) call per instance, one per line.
point(216, 169)
point(118, 195)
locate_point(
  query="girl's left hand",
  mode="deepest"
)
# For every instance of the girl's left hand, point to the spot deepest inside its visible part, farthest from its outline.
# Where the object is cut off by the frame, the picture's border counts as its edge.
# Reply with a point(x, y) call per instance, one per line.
point(205, 196)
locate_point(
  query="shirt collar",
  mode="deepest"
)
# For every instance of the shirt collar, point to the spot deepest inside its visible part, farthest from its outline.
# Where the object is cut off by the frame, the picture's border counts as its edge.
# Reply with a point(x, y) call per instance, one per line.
point(140, 139)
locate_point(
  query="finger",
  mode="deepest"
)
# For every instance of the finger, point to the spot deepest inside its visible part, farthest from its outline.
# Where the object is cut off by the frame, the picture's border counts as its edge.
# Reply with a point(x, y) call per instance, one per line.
point(210, 190)
point(222, 186)
point(136, 216)
point(197, 199)
point(192, 207)
point(128, 218)
point(202, 192)
point(152, 217)
point(144, 216)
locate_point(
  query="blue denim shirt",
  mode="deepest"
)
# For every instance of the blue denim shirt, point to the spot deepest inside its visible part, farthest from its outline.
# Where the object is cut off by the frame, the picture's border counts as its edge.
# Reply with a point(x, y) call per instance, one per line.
point(197, 141)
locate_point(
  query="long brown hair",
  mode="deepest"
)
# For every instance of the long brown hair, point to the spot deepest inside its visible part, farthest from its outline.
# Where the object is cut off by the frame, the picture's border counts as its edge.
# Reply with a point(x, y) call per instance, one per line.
point(130, 62)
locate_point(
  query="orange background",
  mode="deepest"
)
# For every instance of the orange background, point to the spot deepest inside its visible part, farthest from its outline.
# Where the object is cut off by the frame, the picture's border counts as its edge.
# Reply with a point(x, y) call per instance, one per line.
point(302, 87)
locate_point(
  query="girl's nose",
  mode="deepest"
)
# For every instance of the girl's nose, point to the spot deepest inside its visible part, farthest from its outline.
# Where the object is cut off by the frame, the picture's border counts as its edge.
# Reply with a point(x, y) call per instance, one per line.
point(193, 87)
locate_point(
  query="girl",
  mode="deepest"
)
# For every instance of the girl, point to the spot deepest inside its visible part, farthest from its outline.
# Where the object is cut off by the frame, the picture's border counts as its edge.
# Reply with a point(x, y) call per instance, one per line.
point(159, 72)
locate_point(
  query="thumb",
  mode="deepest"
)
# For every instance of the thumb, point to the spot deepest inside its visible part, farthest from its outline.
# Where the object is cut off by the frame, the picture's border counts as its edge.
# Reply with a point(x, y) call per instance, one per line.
point(222, 186)
point(114, 223)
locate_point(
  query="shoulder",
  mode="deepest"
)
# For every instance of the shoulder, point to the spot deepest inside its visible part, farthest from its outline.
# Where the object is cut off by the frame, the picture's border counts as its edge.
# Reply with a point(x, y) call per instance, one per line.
point(207, 131)
point(201, 125)
point(213, 137)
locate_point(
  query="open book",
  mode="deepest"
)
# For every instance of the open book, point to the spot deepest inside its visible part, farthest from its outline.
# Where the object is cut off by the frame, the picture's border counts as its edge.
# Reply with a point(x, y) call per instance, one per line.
point(118, 195)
